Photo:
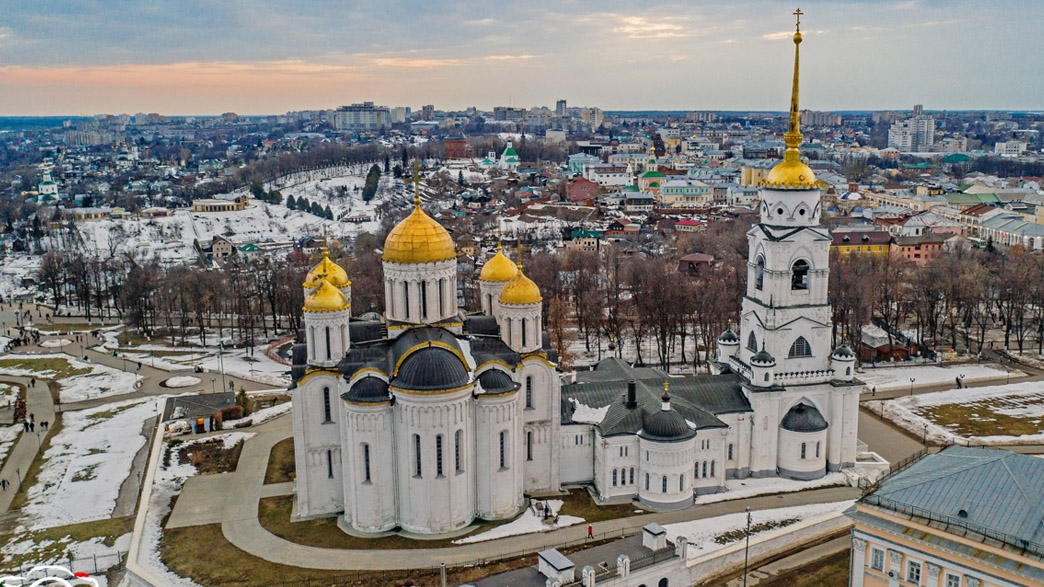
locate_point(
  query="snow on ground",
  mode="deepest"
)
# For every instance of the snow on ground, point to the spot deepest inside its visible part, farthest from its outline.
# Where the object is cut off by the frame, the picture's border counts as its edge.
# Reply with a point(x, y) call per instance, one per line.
point(15, 268)
point(743, 488)
point(8, 437)
point(87, 462)
point(890, 378)
point(55, 342)
point(585, 414)
point(8, 394)
point(99, 381)
point(228, 440)
point(182, 381)
point(260, 416)
point(1018, 400)
point(256, 367)
point(701, 534)
point(92, 556)
point(528, 523)
point(168, 482)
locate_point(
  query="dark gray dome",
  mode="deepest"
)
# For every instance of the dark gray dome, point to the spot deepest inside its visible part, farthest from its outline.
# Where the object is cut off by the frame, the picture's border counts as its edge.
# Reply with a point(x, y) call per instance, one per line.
point(367, 390)
point(762, 357)
point(496, 381)
point(370, 316)
point(728, 337)
point(804, 418)
point(666, 426)
point(844, 352)
point(431, 369)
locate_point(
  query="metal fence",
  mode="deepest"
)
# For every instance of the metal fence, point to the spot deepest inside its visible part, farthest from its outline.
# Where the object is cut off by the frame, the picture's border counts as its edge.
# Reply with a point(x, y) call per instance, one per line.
point(93, 565)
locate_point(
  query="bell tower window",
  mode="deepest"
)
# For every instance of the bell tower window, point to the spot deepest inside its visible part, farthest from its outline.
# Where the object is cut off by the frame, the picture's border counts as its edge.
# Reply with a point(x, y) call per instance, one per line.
point(799, 275)
point(800, 348)
point(759, 273)
point(752, 343)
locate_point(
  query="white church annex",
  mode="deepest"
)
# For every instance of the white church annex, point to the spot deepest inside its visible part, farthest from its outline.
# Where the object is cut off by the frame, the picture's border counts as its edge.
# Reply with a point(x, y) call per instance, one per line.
point(428, 418)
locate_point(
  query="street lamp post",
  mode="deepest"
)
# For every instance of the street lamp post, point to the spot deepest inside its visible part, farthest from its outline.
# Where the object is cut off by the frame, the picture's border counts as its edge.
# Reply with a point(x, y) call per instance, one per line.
point(924, 439)
point(213, 381)
point(912, 379)
point(746, 550)
point(221, 364)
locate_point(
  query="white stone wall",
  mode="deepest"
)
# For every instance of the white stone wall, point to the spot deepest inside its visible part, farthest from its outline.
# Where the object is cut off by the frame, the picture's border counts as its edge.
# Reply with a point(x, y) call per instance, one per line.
point(369, 503)
point(673, 460)
point(541, 418)
point(489, 296)
point(422, 293)
point(619, 454)
point(321, 327)
point(790, 207)
point(433, 503)
point(738, 435)
point(710, 460)
point(792, 464)
point(576, 463)
point(317, 447)
point(520, 327)
point(499, 488)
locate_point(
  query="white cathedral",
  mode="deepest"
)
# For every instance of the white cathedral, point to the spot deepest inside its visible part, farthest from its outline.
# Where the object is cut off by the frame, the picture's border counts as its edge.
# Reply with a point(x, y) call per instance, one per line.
point(428, 417)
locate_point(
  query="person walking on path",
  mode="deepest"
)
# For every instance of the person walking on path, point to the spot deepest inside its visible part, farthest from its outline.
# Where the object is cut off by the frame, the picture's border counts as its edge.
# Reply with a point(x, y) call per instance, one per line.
point(4, 484)
point(590, 532)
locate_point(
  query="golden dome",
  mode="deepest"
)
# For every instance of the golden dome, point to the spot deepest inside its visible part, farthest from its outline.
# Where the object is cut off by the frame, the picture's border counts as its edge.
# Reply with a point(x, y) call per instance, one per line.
point(418, 239)
point(325, 298)
point(499, 268)
point(520, 290)
point(328, 270)
point(790, 174)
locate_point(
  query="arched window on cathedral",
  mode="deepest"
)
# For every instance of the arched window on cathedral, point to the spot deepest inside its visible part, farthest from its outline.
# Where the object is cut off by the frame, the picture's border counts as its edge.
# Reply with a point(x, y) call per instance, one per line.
point(663, 484)
point(366, 462)
point(489, 302)
point(328, 351)
point(614, 477)
point(803, 450)
point(759, 273)
point(458, 450)
point(416, 455)
point(524, 332)
point(800, 348)
point(424, 300)
point(647, 482)
point(442, 296)
point(631, 482)
point(529, 391)
point(752, 343)
point(406, 297)
point(799, 274)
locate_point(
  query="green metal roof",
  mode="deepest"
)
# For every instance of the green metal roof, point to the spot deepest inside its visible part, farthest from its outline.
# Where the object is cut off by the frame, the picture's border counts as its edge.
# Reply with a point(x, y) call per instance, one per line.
point(971, 199)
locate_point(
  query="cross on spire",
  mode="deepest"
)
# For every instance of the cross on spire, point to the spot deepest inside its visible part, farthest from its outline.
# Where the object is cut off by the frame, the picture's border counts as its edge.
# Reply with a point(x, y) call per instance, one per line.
point(415, 180)
point(798, 14)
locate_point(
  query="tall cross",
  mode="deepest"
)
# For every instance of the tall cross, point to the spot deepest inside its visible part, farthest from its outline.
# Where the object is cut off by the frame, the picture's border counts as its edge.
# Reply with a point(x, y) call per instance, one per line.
point(798, 14)
point(416, 181)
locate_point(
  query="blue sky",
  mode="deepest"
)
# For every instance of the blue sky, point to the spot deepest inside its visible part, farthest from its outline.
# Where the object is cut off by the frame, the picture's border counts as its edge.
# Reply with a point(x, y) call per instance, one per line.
point(270, 56)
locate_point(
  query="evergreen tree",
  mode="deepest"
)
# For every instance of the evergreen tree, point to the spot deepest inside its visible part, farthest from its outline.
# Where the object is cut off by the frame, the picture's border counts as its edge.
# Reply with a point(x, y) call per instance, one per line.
point(405, 163)
point(257, 189)
point(373, 178)
point(328, 213)
point(291, 202)
point(275, 197)
point(387, 163)
point(460, 178)
point(397, 172)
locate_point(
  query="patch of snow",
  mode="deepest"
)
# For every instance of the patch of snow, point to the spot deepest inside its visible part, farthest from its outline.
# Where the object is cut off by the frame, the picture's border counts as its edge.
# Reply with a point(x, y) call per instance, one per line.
point(750, 487)
point(528, 523)
point(891, 378)
point(700, 534)
point(55, 342)
point(87, 462)
point(228, 440)
point(585, 414)
point(8, 437)
point(182, 381)
point(99, 381)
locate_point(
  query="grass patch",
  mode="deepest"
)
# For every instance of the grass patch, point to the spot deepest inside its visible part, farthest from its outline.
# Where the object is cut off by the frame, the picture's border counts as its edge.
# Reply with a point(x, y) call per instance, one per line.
point(85, 474)
point(281, 462)
point(31, 475)
point(274, 514)
point(983, 418)
point(68, 327)
point(60, 537)
point(50, 368)
point(579, 503)
point(831, 571)
point(739, 533)
point(211, 457)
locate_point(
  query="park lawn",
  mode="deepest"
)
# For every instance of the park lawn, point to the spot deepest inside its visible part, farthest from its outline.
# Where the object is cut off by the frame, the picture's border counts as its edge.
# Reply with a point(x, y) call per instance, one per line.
point(63, 327)
point(202, 553)
point(51, 367)
point(831, 571)
point(985, 417)
point(108, 530)
point(281, 462)
point(579, 503)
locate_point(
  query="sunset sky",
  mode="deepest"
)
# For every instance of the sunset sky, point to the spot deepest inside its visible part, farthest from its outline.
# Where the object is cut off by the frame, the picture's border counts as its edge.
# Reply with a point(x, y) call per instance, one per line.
point(270, 56)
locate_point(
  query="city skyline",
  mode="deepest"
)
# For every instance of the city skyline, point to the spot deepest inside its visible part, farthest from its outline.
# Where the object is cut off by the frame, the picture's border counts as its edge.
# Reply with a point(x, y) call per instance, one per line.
point(261, 58)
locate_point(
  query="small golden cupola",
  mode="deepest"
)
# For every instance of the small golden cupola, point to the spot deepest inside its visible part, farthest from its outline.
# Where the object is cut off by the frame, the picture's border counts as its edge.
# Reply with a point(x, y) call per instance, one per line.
point(330, 271)
point(418, 238)
point(792, 173)
point(520, 290)
point(326, 298)
point(499, 268)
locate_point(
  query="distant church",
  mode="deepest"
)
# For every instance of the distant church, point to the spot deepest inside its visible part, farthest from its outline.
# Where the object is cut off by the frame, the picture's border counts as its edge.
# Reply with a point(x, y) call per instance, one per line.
point(426, 418)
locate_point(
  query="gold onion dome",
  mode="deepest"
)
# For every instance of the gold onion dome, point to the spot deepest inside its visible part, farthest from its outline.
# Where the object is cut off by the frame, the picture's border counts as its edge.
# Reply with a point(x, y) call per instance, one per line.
point(418, 239)
point(520, 290)
point(328, 270)
point(792, 173)
point(499, 268)
point(325, 298)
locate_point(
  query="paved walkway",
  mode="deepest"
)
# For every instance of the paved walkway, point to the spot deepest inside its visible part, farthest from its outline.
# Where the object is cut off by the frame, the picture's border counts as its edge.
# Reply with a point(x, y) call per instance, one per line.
point(240, 525)
point(37, 402)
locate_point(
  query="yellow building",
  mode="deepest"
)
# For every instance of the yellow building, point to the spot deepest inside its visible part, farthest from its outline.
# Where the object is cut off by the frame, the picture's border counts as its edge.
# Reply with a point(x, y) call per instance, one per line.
point(964, 517)
point(213, 205)
point(874, 242)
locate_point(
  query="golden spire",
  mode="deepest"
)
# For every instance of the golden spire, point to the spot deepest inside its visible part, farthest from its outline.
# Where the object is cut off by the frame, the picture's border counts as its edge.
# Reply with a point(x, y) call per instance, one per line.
point(793, 136)
point(416, 180)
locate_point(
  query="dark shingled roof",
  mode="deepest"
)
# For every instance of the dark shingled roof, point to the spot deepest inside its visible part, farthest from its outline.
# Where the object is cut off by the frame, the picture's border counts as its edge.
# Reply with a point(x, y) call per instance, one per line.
point(431, 369)
point(368, 390)
point(496, 381)
point(666, 425)
point(481, 324)
point(803, 418)
point(697, 399)
point(365, 331)
point(728, 336)
point(843, 351)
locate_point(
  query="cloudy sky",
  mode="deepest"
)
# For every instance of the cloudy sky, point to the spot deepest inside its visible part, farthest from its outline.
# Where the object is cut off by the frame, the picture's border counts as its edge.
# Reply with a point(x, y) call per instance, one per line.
point(271, 56)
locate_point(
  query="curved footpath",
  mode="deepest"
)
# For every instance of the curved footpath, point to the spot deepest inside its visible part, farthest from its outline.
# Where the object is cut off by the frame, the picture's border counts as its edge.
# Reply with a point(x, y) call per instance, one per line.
point(38, 403)
point(240, 525)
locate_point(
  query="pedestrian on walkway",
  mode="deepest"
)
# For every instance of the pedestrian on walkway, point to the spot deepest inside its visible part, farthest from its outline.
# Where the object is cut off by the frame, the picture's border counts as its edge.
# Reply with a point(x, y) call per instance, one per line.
point(32, 417)
point(43, 424)
point(32, 427)
point(873, 391)
point(958, 380)
point(4, 484)
point(25, 426)
point(590, 532)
